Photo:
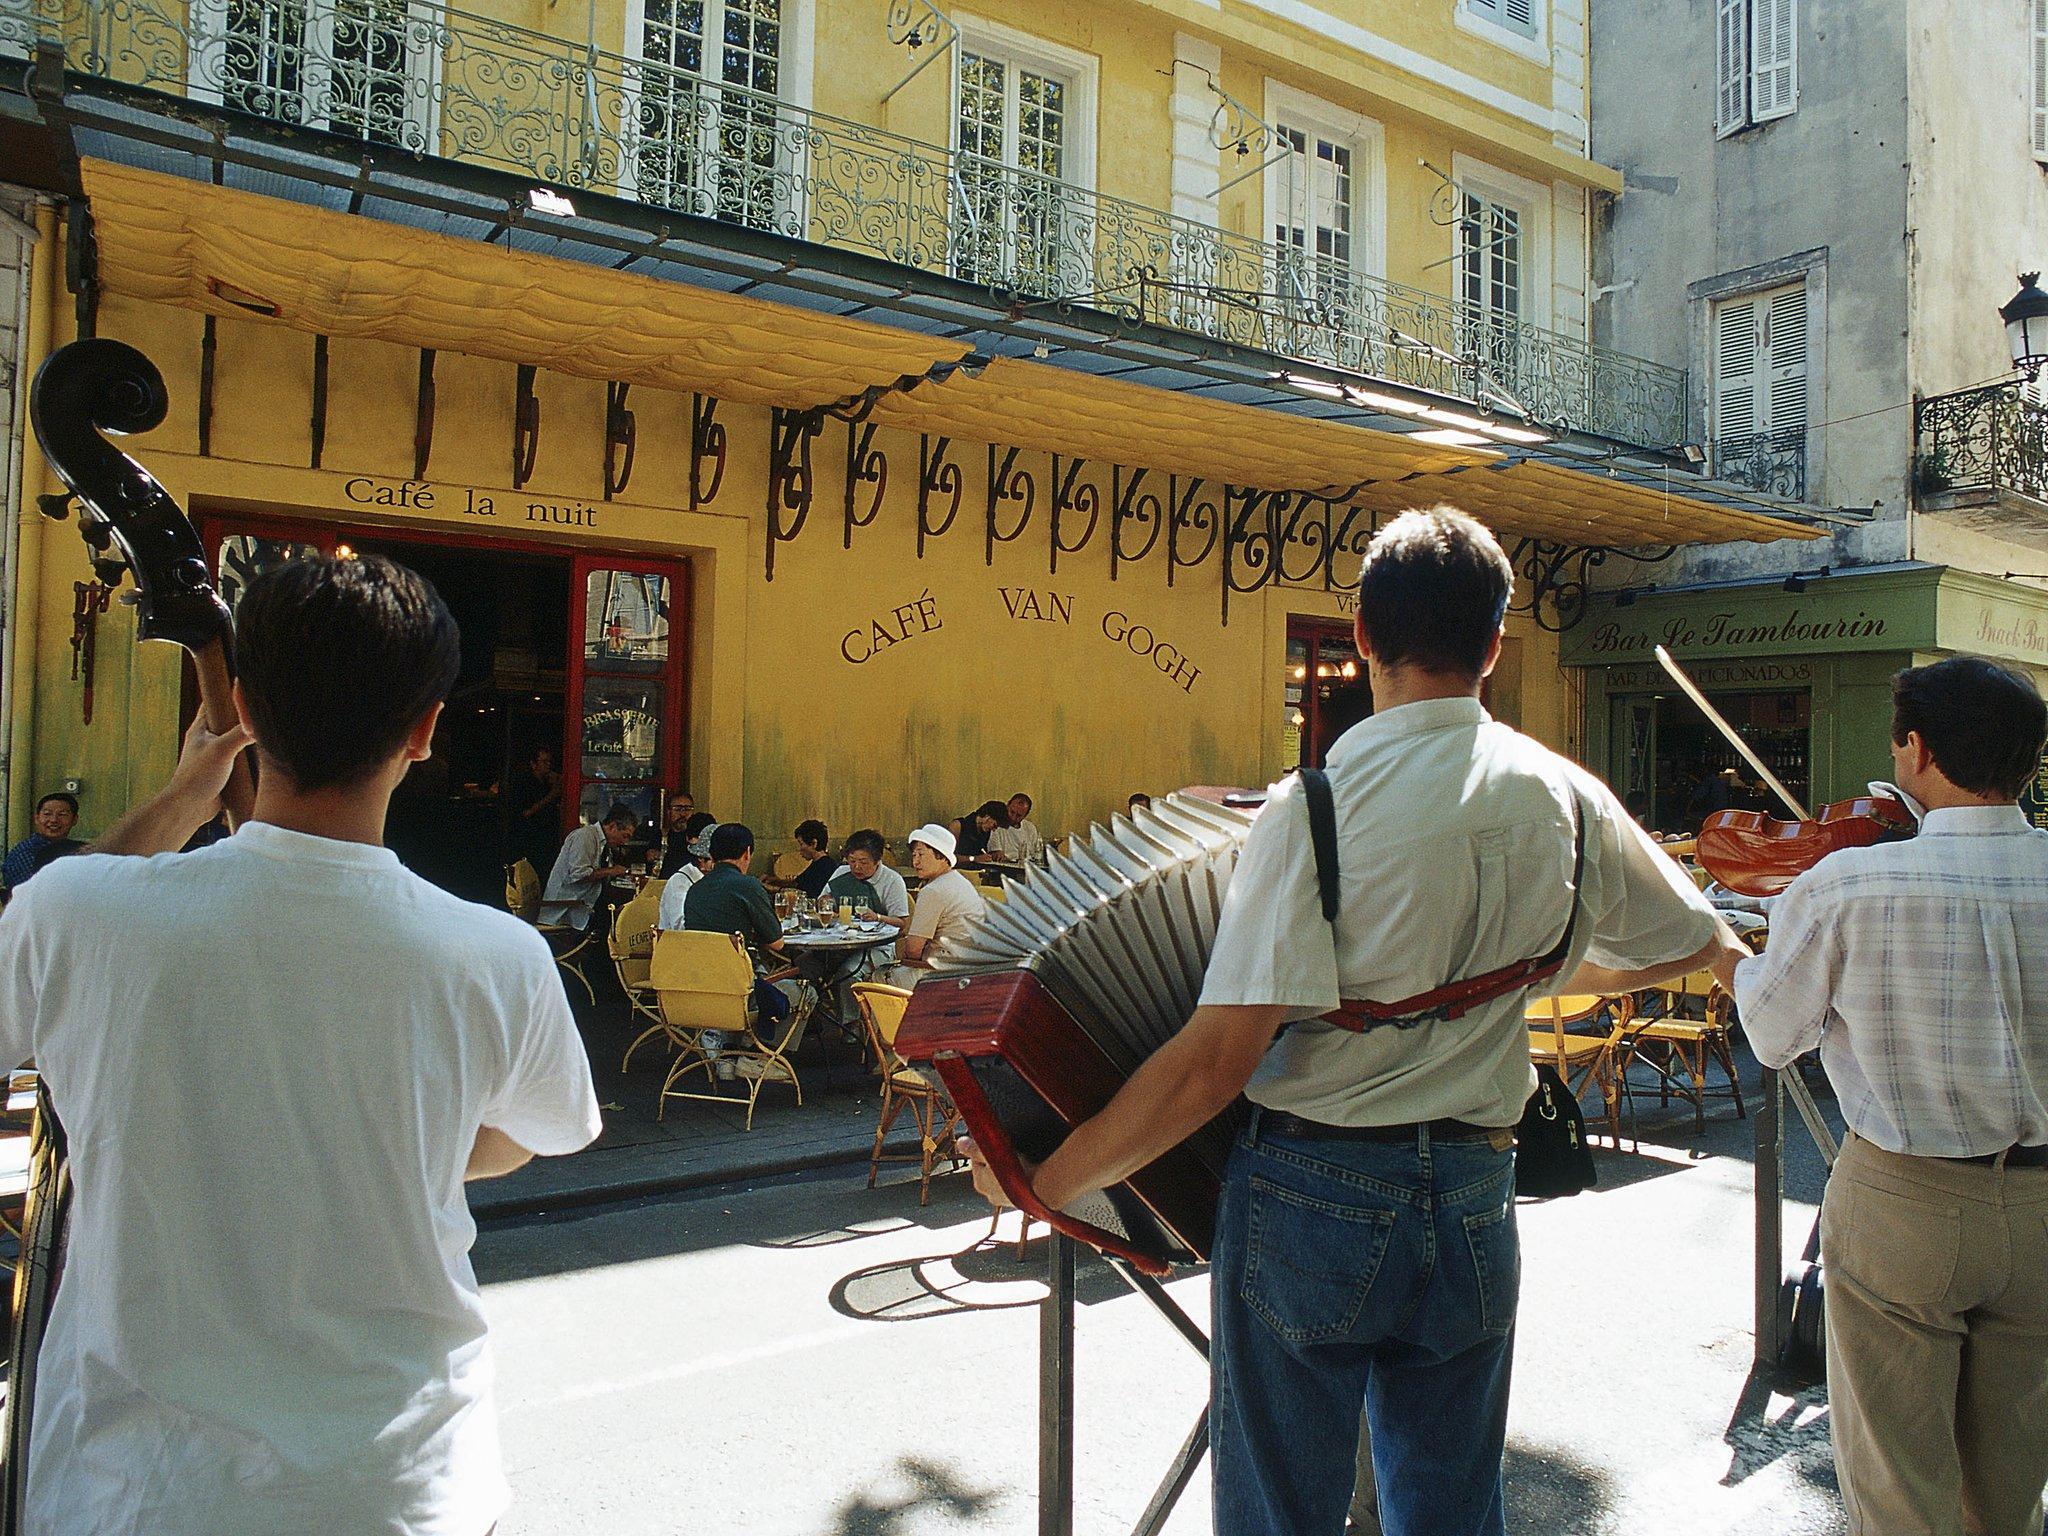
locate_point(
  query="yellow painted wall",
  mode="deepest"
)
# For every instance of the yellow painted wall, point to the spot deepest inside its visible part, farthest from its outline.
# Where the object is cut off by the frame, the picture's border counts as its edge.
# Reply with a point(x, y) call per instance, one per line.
point(787, 715)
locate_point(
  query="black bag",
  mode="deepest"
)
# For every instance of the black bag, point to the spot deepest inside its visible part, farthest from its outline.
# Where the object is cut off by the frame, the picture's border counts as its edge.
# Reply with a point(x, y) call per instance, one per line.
point(1551, 1155)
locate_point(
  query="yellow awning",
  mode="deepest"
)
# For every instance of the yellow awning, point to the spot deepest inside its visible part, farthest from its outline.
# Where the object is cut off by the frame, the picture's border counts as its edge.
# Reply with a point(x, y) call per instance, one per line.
point(171, 240)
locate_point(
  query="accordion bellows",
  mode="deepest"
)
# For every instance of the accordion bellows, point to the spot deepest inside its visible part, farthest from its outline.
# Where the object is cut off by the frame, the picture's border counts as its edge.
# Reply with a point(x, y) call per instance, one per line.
point(1041, 1012)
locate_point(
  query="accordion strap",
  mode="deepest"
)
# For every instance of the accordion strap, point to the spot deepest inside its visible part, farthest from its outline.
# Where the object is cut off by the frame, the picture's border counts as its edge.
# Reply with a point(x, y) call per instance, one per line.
point(1454, 998)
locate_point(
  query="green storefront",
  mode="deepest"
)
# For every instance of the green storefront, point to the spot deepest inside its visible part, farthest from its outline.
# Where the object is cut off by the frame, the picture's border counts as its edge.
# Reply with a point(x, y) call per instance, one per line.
point(1804, 675)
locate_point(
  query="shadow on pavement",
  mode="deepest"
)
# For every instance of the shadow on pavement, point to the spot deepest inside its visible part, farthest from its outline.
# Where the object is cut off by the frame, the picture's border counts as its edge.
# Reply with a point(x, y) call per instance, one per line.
point(1798, 1432)
point(933, 1488)
point(1549, 1492)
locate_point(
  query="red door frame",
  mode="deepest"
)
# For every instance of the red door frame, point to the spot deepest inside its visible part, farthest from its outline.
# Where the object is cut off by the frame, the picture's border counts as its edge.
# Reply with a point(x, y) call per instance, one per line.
point(1310, 630)
point(325, 536)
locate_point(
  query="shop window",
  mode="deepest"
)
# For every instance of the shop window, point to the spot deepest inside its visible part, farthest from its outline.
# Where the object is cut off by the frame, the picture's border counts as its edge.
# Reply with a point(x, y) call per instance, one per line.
point(1326, 690)
point(1019, 128)
point(1676, 769)
point(703, 110)
point(245, 556)
point(363, 68)
point(627, 690)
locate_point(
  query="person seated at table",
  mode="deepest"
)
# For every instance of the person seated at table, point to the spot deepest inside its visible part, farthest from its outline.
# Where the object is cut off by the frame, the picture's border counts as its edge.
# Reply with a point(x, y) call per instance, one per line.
point(811, 842)
point(696, 864)
point(970, 832)
point(1139, 802)
point(589, 857)
point(56, 815)
point(730, 900)
point(685, 823)
point(947, 904)
point(1016, 841)
point(863, 877)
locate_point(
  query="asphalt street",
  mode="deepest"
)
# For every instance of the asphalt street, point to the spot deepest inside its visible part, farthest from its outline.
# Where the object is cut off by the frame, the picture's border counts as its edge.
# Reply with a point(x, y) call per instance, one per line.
point(814, 1358)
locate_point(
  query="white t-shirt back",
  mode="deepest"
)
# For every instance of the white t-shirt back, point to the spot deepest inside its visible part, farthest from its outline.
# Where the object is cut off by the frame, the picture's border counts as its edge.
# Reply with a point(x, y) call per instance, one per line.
point(272, 1057)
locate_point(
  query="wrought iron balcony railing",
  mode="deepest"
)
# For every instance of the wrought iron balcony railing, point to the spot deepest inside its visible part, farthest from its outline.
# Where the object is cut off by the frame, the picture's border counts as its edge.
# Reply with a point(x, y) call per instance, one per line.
point(1980, 441)
point(444, 83)
point(1766, 461)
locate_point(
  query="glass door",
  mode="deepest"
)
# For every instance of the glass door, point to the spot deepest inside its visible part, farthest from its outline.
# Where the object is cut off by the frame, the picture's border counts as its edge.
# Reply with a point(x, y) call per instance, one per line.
point(1326, 689)
point(624, 722)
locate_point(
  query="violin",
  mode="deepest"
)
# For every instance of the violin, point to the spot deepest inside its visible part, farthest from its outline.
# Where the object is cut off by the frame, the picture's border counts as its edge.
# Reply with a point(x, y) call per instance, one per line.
point(131, 524)
point(1758, 855)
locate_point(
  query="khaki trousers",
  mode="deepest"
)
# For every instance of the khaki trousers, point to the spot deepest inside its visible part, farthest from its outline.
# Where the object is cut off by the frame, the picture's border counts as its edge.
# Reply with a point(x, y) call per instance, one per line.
point(1937, 1325)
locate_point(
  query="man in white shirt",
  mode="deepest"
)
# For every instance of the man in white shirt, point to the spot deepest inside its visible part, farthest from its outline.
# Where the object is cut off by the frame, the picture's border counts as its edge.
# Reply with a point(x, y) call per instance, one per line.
point(1920, 969)
point(1017, 841)
point(274, 1086)
point(947, 903)
point(1366, 1253)
point(696, 860)
point(589, 857)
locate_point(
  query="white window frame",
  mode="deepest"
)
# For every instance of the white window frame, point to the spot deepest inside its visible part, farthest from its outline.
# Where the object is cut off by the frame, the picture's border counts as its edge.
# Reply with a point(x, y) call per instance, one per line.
point(209, 24)
point(1531, 199)
point(1746, 21)
point(1760, 390)
point(798, 27)
point(2037, 70)
point(1484, 19)
point(1366, 138)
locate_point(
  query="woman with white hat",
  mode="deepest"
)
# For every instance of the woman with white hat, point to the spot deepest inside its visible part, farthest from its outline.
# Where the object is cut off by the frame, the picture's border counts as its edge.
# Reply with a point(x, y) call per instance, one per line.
point(947, 903)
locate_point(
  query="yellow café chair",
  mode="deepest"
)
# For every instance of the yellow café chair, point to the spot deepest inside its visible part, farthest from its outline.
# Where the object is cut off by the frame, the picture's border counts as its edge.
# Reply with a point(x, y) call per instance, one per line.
point(705, 981)
point(631, 943)
point(1579, 1057)
point(1684, 1043)
point(787, 867)
point(881, 1014)
point(569, 943)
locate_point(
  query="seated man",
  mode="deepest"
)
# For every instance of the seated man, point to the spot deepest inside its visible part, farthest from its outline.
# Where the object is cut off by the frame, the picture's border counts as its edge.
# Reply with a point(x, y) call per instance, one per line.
point(696, 863)
point(56, 815)
point(730, 900)
point(947, 904)
point(811, 842)
point(589, 857)
point(970, 833)
point(1016, 841)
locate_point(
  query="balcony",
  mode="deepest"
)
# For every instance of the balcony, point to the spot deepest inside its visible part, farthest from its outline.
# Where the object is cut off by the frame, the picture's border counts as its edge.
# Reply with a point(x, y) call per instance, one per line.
point(1773, 462)
point(1978, 446)
point(440, 83)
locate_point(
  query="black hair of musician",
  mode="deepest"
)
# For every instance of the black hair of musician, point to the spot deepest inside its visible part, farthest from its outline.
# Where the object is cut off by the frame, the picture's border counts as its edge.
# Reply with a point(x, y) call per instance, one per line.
point(868, 841)
point(340, 659)
point(1984, 724)
point(1020, 795)
point(813, 832)
point(994, 810)
point(1433, 590)
point(694, 827)
point(620, 814)
point(63, 795)
point(731, 840)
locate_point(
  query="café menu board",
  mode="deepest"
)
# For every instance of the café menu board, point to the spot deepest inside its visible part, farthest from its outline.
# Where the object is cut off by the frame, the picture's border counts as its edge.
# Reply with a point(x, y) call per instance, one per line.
point(2034, 798)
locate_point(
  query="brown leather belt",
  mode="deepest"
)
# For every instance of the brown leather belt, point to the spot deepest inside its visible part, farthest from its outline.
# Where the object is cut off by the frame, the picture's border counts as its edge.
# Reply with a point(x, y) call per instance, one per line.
point(2015, 1157)
point(1280, 1123)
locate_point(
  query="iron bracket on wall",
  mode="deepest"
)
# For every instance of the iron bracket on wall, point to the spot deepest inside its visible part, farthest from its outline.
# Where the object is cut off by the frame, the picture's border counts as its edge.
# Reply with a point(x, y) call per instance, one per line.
point(1560, 572)
point(82, 265)
point(525, 427)
point(1007, 481)
point(707, 447)
point(1070, 494)
point(791, 481)
point(866, 464)
point(1130, 502)
point(209, 347)
point(423, 416)
point(936, 474)
point(621, 433)
point(317, 426)
point(1192, 508)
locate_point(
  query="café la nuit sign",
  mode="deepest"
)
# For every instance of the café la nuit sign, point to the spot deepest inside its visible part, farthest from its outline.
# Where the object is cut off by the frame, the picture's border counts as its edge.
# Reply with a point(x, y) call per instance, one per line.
point(464, 501)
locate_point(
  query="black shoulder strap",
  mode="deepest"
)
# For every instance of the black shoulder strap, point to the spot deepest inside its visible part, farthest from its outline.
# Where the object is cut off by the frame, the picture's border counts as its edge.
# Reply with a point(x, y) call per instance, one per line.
point(1322, 833)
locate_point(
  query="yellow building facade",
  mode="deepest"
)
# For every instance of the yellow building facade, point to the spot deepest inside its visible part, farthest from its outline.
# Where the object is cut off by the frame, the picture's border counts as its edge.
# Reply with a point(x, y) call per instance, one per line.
point(839, 408)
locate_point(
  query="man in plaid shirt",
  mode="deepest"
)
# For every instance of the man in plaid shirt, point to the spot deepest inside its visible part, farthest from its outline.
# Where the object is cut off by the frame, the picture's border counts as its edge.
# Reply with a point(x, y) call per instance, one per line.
point(1920, 970)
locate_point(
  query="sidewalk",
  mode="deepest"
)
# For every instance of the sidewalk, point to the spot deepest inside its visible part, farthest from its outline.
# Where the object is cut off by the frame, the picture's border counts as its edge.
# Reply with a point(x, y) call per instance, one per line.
point(694, 1143)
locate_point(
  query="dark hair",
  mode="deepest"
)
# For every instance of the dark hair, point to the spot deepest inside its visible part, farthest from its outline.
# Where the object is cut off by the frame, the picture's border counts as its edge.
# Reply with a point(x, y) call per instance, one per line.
point(58, 794)
point(813, 832)
point(1983, 723)
point(995, 810)
point(620, 814)
point(1020, 795)
point(1433, 590)
point(542, 748)
point(868, 841)
point(1138, 797)
point(340, 659)
point(730, 840)
point(698, 821)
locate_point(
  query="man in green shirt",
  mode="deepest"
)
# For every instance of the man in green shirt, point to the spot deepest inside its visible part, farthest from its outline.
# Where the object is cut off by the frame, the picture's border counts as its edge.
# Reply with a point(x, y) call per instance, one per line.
point(729, 900)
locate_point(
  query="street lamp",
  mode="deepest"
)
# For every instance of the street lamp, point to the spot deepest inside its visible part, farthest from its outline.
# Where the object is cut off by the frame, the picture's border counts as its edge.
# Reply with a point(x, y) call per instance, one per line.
point(2026, 327)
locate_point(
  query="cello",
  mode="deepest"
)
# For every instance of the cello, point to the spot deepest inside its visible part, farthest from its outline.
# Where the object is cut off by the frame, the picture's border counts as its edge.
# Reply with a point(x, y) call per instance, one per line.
point(131, 526)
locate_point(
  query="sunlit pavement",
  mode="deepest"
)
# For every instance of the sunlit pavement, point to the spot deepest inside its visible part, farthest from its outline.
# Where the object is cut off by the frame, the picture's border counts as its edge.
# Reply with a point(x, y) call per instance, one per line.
point(814, 1357)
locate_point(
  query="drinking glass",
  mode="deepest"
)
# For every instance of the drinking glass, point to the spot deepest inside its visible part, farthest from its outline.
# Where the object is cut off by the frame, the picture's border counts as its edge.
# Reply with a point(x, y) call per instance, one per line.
point(828, 910)
point(861, 913)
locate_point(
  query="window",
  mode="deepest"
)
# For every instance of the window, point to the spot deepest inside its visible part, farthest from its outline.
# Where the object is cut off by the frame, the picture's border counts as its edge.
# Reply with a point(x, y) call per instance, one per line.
point(1492, 297)
point(1756, 52)
point(706, 137)
point(1313, 213)
point(363, 68)
point(1760, 385)
point(1018, 127)
point(1518, 16)
point(2039, 54)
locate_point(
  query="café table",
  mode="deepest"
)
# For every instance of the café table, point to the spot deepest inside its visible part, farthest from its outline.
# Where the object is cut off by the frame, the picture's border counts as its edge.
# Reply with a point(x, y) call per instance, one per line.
point(821, 953)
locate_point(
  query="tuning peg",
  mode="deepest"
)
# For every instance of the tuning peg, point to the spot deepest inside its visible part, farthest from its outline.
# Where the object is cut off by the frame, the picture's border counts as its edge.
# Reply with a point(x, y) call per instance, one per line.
point(97, 535)
point(110, 571)
point(128, 599)
point(55, 505)
point(189, 573)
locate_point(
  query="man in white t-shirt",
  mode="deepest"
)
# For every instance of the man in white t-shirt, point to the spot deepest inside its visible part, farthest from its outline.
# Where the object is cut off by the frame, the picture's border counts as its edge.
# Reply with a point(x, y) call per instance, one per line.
point(277, 1060)
point(696, 860)
point(947, 903)
point(1017, 840)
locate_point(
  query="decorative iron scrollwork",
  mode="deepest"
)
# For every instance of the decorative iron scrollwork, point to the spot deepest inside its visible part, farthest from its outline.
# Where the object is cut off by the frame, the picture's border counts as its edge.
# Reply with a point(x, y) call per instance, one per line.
point(937, 475)
point(866, 464)
point(621, 434)
point(525, 427)
point(707, 450)
point(423, 417)
point(1070, 493)
point(1131, 503)
point(791, 483)
point(1193, 508)
point(1559, 572)
point(1009, 481)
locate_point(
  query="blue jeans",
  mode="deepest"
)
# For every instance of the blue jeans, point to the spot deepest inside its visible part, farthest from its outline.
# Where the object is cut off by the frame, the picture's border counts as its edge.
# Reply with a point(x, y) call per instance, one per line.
point(1373, 1274)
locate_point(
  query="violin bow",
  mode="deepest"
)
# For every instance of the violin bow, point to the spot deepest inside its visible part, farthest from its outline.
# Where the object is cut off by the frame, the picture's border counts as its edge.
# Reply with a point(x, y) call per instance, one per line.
point(1692, 691)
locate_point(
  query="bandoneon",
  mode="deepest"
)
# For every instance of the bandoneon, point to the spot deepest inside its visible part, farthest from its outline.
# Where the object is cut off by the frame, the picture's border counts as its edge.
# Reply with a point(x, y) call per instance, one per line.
point(1039, 1015)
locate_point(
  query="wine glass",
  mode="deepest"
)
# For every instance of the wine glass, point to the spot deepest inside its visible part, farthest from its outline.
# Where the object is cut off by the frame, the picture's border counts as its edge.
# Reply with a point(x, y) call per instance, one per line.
point(861, 912)
point(828, 910)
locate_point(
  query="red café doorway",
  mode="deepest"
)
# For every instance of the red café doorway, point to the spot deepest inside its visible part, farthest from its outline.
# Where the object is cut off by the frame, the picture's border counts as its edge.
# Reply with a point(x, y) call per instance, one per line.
point(1326, 689)
point(576, 653)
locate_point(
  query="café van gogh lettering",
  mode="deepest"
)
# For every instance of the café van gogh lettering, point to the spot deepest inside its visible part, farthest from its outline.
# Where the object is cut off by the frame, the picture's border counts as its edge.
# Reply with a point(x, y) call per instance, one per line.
point(1723, 630)
point(906, 621)
point(1118, 627)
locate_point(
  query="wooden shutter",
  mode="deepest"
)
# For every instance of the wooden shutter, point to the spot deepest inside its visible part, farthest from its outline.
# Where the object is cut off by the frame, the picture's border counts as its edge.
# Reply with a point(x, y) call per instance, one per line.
point(1774, 58)
point(1731, 65)
point(2039, 52)
point(1735, 374)
point(1515, 15)
point(1782, 392)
